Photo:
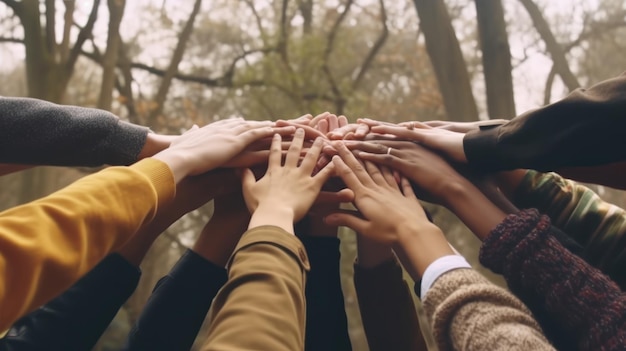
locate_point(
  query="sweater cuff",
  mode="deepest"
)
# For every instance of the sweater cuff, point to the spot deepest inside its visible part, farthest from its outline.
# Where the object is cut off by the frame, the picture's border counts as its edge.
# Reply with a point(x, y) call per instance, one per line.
point(438, 268)
point(480, 147)
point(506, 236)
point(160, 176)
point(272, 235)
point(132, 137)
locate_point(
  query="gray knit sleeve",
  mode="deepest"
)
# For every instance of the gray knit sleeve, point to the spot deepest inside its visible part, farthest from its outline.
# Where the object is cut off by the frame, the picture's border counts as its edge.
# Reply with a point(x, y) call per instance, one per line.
point(38, 132)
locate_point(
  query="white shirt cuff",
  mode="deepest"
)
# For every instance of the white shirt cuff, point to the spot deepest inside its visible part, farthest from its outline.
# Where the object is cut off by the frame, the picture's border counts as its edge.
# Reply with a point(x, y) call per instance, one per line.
point(439, 267)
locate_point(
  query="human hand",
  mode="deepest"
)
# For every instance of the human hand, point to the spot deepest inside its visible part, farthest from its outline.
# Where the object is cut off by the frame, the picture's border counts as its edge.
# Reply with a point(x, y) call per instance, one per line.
point(460, 127)
point(432, 174)
point(202, 149)
point(387, 209)
point(154, 144)
point(444, 141)
point(272, 198)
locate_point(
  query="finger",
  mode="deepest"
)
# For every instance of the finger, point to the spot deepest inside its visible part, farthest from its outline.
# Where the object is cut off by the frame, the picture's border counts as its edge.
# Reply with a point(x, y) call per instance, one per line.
point(374, 148)
point(361, 131)
point(414, 124)
point(346, 174)
point(311, 157)
point(384, 159)
point(374, 172)
point(328, 149)
point(347, 220)
point(252, 135)
point(324, 174)
point(342, 120)
point(389, 177)
point(293, 154)
point(339, 133)
point(331, 197)
point(241, 126)
point(247, 179)
point(370, 122)
point(284, 131)
point(276, 152)
point(333, 123)
point(315, 120)
point(407, 189)
point(354, 164)
point(322, 126)
point(414, 134)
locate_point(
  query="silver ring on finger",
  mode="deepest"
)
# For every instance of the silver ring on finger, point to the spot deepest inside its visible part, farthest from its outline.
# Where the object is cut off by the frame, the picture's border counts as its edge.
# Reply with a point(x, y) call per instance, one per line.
point(388, 151)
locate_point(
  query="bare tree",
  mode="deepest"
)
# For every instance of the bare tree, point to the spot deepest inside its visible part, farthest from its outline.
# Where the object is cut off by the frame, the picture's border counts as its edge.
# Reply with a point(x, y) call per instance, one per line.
point(49, 64)
point(561, 66)
point(109, 60)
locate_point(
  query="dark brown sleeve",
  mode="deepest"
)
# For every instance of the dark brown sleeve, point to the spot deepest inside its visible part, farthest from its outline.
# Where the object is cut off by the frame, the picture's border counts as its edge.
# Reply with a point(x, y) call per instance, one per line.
point(584, 129)
point(387, 308)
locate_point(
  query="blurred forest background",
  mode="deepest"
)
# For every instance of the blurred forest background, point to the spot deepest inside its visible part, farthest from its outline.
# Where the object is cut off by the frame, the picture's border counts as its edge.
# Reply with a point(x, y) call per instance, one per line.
point(169, 64)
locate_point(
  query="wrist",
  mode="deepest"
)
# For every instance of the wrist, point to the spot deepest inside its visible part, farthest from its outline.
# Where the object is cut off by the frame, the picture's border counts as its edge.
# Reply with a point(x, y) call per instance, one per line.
point(177, 162)
point(273, 214)
point(154, 144)
point(417, 249)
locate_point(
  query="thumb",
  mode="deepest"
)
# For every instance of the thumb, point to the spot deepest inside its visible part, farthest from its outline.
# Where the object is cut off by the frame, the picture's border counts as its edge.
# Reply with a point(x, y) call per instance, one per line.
point(353, 222)
point(247, 179)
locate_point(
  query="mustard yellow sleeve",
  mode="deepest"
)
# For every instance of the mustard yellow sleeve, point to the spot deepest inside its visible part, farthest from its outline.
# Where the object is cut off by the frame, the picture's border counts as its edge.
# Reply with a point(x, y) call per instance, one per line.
point(46, 245)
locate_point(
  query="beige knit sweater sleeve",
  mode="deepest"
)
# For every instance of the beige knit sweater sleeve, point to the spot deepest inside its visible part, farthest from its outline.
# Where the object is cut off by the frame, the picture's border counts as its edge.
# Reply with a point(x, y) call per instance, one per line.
point(467, 312)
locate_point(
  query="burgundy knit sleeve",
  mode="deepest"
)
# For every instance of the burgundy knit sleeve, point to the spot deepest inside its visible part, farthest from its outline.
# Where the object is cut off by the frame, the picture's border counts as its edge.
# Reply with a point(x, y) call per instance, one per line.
point(578, 306)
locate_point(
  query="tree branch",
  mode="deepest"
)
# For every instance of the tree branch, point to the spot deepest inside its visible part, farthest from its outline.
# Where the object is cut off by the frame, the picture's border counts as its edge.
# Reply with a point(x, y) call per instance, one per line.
point(332, 35)
point(177, 57)
point(259, 23)
point(11, 40)
point(14, 5)
point(554, 48)
point(83, 35)
point(68, 19)
point(548, 90)
point(375, 49)
point(50, 27)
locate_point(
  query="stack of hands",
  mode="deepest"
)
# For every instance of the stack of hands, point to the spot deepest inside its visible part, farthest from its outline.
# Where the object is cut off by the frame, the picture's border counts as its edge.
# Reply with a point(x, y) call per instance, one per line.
point(288, 166)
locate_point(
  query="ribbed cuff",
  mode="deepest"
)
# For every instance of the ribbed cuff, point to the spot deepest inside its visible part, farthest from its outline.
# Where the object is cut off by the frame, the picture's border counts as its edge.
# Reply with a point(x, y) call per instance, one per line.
point(131, 137)
point(480, 147)
point(272, 235)
point(503, 238)
point(161, 177)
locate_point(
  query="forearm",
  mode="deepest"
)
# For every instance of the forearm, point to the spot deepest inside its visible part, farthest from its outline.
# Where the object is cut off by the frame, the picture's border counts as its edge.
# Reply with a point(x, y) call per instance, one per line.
point(83, 311)
point(178, 305)
point(41, 133)
point(58, 231)
point(549, 277)
point(478, 213)
point(583, 129)
point(387, 308)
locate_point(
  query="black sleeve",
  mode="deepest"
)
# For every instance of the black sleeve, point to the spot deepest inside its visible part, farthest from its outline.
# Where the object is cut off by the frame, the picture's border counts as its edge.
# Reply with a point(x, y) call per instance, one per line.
point(587, 128)
point(75, 320)
point(174, 313)
point(41, 133)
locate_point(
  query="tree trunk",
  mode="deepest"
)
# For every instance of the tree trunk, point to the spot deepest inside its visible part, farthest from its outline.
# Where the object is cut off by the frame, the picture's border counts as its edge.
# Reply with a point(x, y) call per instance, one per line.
point(554, 48)
point(496, 56)
point(447, 59)
point(177, 56)
point(109, 61)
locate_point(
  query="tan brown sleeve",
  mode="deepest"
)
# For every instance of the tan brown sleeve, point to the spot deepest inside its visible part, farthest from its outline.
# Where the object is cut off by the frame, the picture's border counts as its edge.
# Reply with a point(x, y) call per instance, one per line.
point(262, 306)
